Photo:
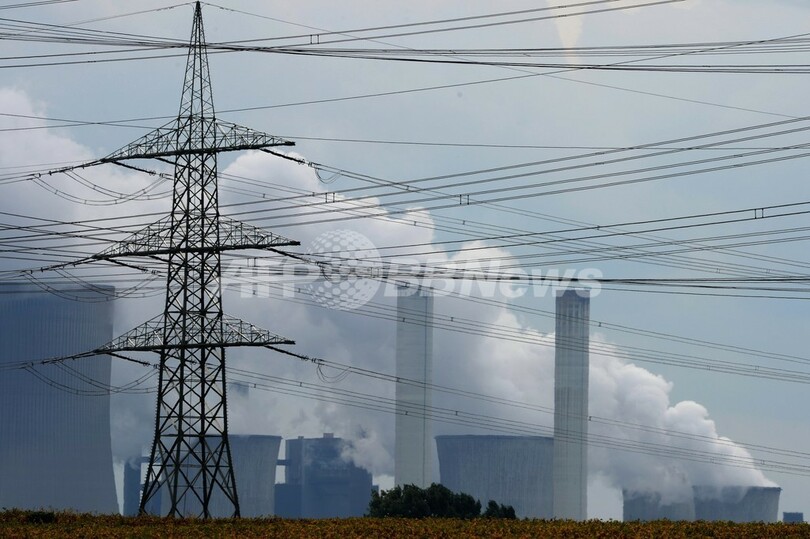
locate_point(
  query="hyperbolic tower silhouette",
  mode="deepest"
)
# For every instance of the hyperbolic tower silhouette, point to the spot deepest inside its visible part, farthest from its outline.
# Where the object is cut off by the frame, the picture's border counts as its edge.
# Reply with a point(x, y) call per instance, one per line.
point(190, 460)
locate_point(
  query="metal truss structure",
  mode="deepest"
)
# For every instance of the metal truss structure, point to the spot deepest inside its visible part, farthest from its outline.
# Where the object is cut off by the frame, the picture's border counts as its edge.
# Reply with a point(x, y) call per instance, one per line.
point(190, 462)
point(156, 239)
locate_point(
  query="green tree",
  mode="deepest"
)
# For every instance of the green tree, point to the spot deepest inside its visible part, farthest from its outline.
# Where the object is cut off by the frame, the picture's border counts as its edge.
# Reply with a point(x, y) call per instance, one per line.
point(435, 501)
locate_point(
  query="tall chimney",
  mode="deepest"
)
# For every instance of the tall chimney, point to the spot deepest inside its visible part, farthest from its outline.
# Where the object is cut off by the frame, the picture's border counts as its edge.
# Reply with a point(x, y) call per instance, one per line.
point(413, 457)
point(570, 475)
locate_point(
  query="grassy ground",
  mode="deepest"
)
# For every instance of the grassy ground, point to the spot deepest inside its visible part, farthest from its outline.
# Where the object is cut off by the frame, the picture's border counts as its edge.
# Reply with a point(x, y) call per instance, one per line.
point(45, 524)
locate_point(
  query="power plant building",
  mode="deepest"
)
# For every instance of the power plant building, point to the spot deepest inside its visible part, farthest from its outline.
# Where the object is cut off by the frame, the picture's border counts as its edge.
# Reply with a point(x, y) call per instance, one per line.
point(511, 470)
point(320, 481)
point(413, 452)
point(792, 517)
point(55, 419)
point(570, 476)
point(133, 485)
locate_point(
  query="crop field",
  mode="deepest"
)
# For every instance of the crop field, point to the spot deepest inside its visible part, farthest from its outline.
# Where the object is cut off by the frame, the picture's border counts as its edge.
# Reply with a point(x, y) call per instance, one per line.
point(46, 524)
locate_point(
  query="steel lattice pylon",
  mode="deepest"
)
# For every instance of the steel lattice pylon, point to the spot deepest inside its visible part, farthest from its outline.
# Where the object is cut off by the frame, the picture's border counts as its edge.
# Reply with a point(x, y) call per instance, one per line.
point(190, 462)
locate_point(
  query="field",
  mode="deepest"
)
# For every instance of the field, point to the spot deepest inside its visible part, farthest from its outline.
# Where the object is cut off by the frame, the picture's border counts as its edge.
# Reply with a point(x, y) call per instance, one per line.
point(45, 524)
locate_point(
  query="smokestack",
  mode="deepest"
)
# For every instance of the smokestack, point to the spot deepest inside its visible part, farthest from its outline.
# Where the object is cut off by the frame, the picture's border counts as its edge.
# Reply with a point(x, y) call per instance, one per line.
point(570, 473)
point(413, 451)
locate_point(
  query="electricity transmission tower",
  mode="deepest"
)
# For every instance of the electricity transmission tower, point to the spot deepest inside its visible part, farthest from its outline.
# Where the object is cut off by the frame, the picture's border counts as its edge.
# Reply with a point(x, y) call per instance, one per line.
point(190, 461)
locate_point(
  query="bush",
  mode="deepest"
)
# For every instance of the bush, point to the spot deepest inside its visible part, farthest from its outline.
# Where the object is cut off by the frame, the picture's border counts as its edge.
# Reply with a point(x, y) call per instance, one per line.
point(495, 510)
point(40, 517)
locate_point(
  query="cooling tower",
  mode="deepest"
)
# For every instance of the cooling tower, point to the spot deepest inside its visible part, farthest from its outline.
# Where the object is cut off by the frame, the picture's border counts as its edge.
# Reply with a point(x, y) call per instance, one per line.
point(413, 456)
point(571, 405)
point(737, 504)
point(512, 470)
point(55, 447)
point(646, 506)
point(254, 458)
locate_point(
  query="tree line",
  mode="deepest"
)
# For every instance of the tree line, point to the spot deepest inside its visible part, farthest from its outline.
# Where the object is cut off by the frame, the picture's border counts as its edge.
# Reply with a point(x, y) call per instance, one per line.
point(436, 500)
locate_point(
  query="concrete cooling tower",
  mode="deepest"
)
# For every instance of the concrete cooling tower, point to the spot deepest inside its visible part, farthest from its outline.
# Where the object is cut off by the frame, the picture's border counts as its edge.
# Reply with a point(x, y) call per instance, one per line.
point(646, 506)
point(512, 470)
point(55, 449)
point(254, 457)
point(737, 504)
point(254, 465)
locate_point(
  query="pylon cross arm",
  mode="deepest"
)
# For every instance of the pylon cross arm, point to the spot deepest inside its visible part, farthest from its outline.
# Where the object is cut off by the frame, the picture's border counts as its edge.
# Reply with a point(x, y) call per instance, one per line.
point(236, 235)
point(150, 337)
point(167, 141)
point(240, 137)
point(159, 142)
point(144, 337)
point(156, 239)
point(236, 332)
point(153, 239)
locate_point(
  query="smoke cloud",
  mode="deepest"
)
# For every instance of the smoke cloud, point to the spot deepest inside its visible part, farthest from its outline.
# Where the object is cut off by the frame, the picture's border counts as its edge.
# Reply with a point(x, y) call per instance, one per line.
point(625, 392)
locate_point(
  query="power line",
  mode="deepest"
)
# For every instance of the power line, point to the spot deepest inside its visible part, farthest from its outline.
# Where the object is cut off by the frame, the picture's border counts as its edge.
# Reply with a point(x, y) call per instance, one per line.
point(35, 4)
point(322, 32)
point(366, 400)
